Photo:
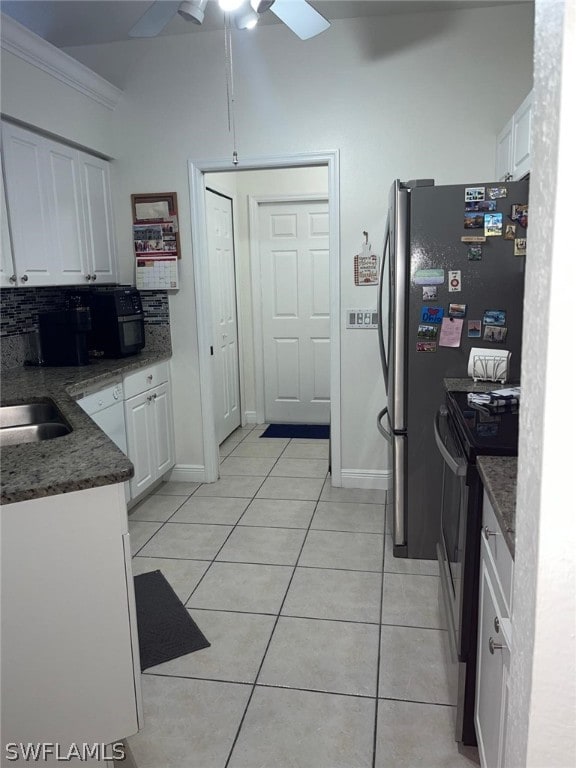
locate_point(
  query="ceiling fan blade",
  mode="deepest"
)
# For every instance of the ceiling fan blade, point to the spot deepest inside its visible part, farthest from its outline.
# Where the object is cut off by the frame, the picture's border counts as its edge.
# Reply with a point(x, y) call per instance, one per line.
point(302, 19)
point(154, 19)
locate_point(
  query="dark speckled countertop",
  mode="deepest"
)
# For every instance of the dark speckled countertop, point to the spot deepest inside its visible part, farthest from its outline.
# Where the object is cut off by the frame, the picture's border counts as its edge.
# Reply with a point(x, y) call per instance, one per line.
point(86, 458)
point(498, 474)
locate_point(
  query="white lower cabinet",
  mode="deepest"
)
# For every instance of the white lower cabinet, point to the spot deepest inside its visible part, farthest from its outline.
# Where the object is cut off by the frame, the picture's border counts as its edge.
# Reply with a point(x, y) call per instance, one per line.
point(149, 425)
point(494, 642)
point(70, 660)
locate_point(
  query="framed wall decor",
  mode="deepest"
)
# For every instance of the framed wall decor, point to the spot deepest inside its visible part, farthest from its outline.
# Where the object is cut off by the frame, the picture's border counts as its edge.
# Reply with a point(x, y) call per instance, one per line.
point(155, 224)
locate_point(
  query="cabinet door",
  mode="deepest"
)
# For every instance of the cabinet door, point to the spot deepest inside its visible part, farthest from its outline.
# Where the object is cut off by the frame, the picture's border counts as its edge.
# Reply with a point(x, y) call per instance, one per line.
point(66, 215)
point(522, 137)
point(26, 172)
point(504, 152)
point(7, 269)
point(491, 682)
point(140, 431)
point(97, 199)
point(164, 428)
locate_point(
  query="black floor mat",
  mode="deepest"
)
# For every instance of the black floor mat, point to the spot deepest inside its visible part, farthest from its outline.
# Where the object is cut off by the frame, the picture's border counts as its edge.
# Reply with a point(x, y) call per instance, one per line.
point(165, 628)
point(305, 431)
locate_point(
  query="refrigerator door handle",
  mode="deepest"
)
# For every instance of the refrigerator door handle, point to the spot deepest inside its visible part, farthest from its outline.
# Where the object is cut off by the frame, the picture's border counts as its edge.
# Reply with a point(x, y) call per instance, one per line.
point(381, 344)
point(456, 467)
point(381, 428)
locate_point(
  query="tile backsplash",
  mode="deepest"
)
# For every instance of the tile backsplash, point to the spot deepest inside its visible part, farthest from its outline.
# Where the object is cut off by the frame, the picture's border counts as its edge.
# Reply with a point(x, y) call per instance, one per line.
point(20, 307)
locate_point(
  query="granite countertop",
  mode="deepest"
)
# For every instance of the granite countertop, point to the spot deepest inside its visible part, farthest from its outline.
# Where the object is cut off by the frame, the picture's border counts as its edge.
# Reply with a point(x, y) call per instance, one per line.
point(85, 458)
point(498, 474)
point(469, 385)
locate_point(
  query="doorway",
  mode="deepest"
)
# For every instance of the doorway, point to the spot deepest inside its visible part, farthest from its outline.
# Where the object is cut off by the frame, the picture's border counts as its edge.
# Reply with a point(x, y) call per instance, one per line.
point(198, 171)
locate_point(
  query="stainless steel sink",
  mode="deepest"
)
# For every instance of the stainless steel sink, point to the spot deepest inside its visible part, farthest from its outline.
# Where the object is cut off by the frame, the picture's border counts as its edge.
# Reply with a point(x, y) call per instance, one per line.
point(31, 423)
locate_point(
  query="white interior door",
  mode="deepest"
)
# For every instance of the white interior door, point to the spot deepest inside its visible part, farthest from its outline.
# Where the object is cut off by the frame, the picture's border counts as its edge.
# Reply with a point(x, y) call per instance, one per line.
point(224, 320)
point(294, 267)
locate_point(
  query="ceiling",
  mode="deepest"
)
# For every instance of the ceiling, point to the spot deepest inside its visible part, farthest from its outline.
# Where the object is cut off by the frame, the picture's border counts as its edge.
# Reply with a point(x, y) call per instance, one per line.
point(69, 23)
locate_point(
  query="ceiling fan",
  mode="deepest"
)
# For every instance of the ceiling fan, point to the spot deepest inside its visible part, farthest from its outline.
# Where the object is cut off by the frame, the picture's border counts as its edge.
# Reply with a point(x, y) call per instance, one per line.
point(298, 15)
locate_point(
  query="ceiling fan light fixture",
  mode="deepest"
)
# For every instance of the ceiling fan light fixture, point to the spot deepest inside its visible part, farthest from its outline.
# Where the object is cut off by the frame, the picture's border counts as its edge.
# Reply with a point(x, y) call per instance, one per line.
point(246, 20)
point(193, 10)
point(230, 5)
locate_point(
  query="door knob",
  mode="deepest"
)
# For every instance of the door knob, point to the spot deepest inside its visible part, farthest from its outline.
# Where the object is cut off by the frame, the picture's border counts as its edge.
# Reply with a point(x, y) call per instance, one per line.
point(494, 646)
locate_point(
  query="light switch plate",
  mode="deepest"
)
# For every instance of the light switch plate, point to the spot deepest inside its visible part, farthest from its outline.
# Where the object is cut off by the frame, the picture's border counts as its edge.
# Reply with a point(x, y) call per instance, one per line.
point(361, 318)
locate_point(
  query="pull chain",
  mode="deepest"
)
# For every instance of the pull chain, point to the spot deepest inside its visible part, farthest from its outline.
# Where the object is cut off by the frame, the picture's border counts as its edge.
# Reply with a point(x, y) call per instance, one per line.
point(230, 85)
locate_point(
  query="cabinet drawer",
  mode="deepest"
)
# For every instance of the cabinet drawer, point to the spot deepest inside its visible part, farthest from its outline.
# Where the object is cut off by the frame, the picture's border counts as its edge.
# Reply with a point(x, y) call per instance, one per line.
point(498, 551)
point(144, 379)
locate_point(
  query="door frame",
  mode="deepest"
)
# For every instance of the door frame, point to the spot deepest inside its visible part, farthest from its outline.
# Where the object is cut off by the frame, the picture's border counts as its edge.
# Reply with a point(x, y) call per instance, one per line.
point(254, 203)
point(197, 169)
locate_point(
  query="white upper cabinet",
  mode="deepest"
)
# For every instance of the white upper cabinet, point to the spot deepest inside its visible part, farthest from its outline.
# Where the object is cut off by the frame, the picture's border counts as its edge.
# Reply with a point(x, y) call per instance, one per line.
point(25, 168)
point(100, 239)
point(513, 144)
point(522, 135)
point(7, 271)
point(60, 212)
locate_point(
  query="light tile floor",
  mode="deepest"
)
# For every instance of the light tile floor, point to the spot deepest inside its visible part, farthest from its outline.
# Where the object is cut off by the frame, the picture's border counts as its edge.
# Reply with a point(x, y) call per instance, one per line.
point(326, 651)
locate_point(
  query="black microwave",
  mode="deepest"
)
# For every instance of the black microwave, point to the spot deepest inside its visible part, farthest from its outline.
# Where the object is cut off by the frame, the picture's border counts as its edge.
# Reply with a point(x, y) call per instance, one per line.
point(117, 323)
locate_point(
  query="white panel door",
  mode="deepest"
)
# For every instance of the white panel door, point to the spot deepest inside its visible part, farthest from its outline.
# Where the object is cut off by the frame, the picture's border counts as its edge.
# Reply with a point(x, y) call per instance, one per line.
point(224, 318)
point(294, 268)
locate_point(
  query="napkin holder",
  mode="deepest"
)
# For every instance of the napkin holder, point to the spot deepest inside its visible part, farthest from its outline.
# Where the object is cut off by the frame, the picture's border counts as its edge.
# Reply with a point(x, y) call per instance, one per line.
point(489, 364)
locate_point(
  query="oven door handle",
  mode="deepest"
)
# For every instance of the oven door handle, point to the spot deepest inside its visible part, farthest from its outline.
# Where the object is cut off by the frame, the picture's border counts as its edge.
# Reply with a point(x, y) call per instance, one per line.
point(457, 467)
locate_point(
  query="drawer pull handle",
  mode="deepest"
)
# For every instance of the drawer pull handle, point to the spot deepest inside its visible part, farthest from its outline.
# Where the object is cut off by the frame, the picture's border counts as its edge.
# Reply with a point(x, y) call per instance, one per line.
point(24, 278)
point(488, 533)
point(494, 646)
point(496, 623)
point(150, 377)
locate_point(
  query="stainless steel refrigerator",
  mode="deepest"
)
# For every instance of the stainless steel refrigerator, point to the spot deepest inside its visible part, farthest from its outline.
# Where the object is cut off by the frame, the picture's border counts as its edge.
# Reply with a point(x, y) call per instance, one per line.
point(430, 233)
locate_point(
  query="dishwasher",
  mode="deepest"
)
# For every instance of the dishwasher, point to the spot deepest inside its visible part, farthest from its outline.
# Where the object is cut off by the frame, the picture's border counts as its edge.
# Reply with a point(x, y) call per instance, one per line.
point(106, 409)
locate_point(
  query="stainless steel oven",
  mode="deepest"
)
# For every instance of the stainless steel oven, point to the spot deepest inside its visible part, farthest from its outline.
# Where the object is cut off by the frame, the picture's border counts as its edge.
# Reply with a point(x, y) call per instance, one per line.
point(458, 552)
point(462, 433)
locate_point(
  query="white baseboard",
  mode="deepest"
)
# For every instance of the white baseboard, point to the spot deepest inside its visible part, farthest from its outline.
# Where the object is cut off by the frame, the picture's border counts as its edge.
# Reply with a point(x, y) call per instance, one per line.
point(377, 479)
point(250, 417)
point(188, 473)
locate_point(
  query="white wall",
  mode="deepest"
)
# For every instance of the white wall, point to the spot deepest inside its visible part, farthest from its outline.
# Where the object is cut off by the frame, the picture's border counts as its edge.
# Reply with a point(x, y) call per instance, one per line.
point(241, 185)
point(407, 95)
point(542, 707)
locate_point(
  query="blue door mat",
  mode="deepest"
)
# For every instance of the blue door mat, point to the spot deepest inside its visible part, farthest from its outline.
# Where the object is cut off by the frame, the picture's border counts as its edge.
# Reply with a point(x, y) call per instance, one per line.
point(165, 628)
point(306, 431)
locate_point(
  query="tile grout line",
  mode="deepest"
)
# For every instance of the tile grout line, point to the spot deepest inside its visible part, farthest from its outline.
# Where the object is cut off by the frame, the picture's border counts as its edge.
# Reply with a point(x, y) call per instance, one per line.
point(379, 660)
point(225, 541)
point(255, 683)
